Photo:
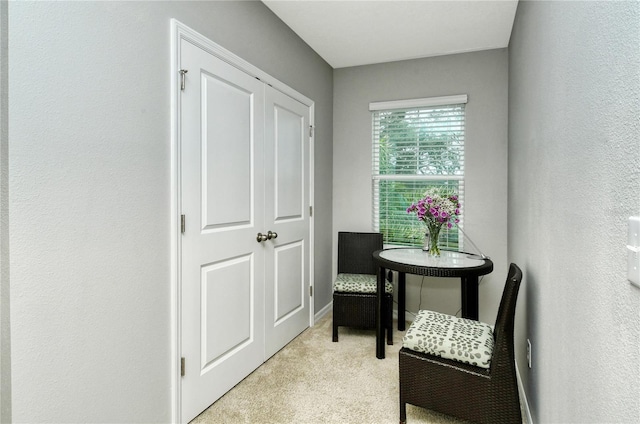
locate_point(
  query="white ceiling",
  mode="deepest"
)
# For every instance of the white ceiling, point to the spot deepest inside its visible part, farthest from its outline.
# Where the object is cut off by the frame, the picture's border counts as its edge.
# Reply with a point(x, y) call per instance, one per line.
point(361, 32)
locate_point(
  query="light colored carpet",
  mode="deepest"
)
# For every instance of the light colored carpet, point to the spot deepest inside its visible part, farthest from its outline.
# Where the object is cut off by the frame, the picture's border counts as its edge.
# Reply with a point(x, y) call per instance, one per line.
point(313, 380)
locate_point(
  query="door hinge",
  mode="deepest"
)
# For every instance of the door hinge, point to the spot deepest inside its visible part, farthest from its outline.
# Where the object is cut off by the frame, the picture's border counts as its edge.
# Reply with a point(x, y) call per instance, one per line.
point(310, 130)
point(310, 210)
point(310, 291)
point(182, 367)
point(182, 73)
point(182, 223)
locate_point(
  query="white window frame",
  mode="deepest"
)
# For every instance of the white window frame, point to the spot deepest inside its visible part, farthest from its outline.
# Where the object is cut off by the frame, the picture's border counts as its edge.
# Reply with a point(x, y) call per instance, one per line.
point(377, 177)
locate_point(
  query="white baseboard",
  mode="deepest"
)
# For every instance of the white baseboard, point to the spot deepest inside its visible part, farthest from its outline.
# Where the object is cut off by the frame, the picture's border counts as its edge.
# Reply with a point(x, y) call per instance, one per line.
point(322, 312)
point(523, 397)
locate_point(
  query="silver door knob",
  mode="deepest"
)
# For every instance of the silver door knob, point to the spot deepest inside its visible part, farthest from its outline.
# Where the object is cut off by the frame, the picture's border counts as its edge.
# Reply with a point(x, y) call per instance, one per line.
point(271, 235)
point(262, 237)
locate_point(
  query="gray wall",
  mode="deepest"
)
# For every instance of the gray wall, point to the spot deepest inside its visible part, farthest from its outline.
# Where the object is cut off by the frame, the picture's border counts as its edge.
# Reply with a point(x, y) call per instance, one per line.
point(5, 333)
point(89, 180)
point(483, 76)
point(574, 179)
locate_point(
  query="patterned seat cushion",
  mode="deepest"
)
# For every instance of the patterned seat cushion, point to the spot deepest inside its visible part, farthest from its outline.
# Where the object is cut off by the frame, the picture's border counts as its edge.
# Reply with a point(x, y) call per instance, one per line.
point(460, 339)
point(359, 283)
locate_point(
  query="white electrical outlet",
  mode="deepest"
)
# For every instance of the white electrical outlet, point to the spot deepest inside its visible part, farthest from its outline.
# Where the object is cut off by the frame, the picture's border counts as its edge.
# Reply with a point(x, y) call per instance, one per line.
point(633, 251)
point(529, 352)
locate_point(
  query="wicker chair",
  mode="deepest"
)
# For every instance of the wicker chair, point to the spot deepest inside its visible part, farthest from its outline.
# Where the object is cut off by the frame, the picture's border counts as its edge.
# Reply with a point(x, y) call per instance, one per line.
point(354, 295)
point(464, 390)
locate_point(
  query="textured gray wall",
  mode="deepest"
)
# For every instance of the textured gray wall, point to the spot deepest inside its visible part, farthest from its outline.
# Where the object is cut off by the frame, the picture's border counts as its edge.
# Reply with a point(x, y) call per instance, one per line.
point(574, 179)
point(89, 181)
point(5, 333)
point(481, 75)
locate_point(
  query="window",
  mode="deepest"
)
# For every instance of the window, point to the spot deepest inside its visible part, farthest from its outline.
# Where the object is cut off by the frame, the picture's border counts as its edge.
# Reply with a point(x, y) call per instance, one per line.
point(417, 144)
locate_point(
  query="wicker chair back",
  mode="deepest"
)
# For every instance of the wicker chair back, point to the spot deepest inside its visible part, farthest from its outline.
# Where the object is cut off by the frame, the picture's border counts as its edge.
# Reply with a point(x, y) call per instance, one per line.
point(355, 252)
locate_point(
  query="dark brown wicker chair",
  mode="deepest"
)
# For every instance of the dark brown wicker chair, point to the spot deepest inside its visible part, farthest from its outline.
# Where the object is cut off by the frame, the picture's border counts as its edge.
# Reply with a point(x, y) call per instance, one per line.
point(358, 309)
point(466, 391)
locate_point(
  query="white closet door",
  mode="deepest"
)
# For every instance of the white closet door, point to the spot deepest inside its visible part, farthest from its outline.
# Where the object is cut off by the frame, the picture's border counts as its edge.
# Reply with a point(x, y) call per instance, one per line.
point(286, 214)
point(222, 187)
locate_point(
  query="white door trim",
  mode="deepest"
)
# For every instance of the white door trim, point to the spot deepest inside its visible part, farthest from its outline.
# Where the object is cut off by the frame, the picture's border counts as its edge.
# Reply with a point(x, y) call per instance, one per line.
point(179, 32)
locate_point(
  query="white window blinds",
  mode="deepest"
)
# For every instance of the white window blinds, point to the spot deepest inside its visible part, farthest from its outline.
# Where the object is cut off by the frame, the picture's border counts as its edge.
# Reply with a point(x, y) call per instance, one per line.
point(417, 144)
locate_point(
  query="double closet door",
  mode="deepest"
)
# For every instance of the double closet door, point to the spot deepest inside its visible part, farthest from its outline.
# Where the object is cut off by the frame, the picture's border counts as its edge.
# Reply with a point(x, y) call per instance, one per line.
point(245, 246)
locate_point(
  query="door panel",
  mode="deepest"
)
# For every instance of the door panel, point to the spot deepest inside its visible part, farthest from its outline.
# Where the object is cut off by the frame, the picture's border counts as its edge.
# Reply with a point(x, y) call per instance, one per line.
point(222, 267)
point(233, 278)
point(226, 153)
point(289, 280)
point(289, 163)
point(286, 190)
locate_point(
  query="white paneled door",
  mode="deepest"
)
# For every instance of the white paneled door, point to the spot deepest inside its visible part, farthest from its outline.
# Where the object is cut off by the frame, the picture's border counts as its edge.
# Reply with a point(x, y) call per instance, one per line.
point(222, 201)
point(286, 214)
point(244, 170)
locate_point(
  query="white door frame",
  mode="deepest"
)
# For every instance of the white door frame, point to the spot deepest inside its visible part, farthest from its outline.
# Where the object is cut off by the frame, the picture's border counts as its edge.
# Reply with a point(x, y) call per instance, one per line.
point(179, 32)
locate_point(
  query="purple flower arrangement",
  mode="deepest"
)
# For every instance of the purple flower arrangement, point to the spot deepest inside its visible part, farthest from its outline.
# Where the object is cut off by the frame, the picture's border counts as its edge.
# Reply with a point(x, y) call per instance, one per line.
point(437, 208)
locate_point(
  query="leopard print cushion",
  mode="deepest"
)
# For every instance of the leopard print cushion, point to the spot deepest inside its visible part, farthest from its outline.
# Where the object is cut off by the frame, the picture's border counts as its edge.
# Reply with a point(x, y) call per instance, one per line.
point(359, 283)
point(447, 336)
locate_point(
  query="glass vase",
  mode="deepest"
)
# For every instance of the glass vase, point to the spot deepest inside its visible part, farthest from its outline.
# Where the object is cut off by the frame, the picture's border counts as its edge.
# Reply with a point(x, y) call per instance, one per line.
point(431, 241)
